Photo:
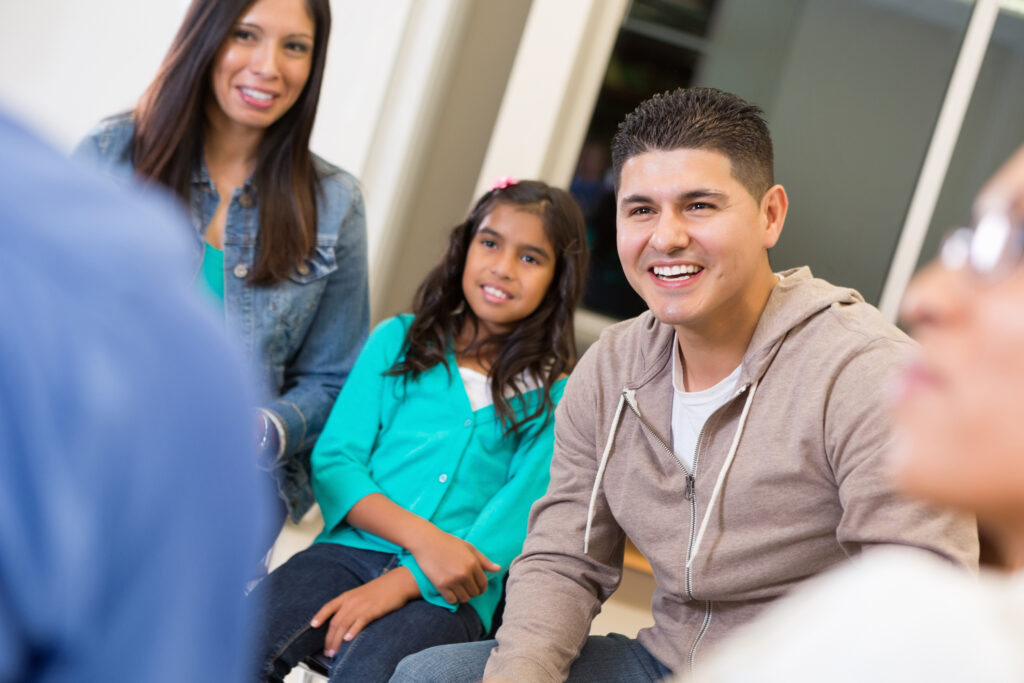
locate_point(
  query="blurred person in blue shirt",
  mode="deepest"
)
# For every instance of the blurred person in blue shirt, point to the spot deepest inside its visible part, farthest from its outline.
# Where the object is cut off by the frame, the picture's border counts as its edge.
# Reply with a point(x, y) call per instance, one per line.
point(130, 514)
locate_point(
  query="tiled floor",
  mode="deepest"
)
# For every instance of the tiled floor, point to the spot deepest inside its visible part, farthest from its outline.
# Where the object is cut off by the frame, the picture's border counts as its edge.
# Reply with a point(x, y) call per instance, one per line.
point(626, 612)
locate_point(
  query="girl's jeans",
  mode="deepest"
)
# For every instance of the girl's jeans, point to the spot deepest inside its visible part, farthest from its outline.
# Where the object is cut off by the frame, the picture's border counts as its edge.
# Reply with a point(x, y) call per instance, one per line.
point(294, 592)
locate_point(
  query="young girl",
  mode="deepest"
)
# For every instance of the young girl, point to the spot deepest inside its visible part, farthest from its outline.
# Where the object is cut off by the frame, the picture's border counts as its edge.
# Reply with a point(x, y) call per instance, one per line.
point(437, 447)
point(280, 233)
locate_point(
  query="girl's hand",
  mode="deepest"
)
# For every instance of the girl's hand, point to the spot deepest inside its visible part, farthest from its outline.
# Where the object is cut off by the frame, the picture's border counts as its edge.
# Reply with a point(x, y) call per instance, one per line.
point(454, 566)
point(355, 609)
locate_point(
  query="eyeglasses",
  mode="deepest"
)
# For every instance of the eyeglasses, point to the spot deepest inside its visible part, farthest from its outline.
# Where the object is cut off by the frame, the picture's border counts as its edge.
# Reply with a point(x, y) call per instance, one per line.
point(991, 250)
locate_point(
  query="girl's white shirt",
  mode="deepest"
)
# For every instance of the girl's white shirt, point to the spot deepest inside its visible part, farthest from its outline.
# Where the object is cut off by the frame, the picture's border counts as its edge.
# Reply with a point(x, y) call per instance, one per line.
point(478, 387)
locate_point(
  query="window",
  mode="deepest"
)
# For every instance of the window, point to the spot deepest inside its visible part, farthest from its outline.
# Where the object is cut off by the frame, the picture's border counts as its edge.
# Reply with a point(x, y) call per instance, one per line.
point(851, 90)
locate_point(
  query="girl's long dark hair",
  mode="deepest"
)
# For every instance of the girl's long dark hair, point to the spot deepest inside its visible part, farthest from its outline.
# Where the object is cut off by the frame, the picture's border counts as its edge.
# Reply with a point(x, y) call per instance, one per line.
point(542, 344)
point(167, 145)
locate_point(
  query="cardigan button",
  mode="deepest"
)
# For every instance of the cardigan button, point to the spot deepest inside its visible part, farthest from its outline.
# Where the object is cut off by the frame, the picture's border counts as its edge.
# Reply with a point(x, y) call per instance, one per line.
point(468, 423)
point(443, 478)
point(241, 270)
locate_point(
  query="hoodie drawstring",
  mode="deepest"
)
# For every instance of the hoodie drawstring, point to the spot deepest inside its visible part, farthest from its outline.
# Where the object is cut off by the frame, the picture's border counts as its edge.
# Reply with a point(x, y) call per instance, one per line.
point(601, 468)
point(721, 475)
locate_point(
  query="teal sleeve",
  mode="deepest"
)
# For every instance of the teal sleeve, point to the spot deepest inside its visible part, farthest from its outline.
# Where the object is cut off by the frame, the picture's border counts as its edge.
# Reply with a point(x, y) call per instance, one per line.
point(500, 528)
point(341, 457)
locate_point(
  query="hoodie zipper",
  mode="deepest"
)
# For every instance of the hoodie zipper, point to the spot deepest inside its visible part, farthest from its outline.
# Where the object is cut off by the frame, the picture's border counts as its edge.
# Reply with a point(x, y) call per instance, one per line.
point(689, 494)
point(708, 607)
point(689, 551)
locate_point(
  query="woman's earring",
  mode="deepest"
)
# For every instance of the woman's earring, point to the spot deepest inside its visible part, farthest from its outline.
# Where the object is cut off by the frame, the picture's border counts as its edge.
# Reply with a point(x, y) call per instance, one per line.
point(461, 308)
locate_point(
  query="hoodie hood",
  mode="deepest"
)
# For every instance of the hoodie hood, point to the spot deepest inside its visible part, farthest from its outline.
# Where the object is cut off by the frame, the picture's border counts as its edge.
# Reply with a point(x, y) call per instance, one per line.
point(795, 299)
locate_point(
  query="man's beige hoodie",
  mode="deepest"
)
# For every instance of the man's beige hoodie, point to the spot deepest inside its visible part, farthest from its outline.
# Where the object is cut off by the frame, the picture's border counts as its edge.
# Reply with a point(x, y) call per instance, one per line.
point(789, 480)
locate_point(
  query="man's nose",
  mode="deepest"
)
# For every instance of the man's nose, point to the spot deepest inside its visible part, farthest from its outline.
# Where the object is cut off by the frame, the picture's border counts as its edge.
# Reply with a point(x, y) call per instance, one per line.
point(671, 234)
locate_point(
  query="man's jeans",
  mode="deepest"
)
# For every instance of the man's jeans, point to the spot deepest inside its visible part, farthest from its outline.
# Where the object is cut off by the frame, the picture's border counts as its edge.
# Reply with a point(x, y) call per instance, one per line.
point(294, 592)
point(605, 659)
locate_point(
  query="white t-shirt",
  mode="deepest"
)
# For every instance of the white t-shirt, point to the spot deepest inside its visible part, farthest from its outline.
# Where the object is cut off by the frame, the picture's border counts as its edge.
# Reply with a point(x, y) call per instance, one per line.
point(478, 387)
point(691, 409)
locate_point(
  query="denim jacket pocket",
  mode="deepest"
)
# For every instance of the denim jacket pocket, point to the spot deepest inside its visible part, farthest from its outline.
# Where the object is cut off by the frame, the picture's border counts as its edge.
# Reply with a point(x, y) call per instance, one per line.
point(320, 264)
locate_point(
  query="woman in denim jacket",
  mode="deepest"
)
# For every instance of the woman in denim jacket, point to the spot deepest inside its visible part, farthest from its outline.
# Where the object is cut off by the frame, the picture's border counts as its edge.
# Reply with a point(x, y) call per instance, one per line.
point(280, 233)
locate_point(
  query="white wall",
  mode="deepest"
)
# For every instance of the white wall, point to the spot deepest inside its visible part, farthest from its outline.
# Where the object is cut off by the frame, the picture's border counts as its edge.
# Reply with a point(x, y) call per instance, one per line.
point(69, 63)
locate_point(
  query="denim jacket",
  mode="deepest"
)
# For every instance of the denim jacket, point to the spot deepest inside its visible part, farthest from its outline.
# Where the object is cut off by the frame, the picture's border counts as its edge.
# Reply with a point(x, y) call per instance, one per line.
point(304, 333)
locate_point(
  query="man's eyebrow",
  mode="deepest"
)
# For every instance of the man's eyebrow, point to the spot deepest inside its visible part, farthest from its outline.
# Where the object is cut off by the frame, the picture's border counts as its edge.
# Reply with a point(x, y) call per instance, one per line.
point(685, 196)
point(700, 193)
point(636, 199)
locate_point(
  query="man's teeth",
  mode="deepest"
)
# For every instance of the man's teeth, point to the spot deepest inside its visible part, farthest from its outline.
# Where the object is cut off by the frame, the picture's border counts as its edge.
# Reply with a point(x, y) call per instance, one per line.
point(676, 271)
point(257, 95)
point(493, 291)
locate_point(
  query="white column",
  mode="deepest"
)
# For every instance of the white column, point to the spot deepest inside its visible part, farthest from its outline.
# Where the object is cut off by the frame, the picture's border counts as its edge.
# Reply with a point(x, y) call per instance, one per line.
point(554, 83)
point(940, 151)
point(404, 122)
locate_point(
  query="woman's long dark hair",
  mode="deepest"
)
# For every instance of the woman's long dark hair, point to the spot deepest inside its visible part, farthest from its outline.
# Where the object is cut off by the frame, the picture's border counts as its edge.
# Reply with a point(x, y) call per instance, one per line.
point(169, 121)
point(543, 343)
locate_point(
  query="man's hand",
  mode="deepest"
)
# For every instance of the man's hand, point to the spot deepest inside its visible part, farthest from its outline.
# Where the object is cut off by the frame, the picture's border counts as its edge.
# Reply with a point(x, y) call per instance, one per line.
point(454, 566)
point(355, 609)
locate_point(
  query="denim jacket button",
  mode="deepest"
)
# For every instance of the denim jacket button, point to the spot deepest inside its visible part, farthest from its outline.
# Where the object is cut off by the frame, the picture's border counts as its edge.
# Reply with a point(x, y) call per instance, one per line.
point(245, 200)
point(241, 270)
point(303, 269)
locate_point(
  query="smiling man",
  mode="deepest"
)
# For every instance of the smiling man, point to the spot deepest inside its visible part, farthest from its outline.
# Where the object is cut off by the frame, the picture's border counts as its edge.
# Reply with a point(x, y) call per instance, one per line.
point(735, 432)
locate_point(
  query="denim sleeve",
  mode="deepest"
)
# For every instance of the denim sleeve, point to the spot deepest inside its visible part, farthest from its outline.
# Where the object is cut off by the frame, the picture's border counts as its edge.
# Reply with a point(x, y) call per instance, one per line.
point(315, 376)
point(341, 458)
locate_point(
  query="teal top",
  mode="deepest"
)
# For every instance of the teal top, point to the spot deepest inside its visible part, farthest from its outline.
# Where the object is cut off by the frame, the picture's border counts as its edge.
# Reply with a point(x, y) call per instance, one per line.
point(419, 443)
point(210, 280)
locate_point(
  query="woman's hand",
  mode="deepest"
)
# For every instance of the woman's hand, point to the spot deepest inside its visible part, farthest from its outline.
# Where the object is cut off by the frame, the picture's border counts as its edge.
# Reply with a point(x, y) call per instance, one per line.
point(355, 609)
point(454, 566)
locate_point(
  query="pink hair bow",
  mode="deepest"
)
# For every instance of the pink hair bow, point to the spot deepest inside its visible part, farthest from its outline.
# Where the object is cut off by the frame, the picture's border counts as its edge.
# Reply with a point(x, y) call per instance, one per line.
point(502, 182)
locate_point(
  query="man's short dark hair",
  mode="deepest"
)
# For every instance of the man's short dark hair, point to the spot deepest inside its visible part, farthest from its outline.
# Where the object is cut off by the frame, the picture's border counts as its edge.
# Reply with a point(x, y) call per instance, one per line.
point(700, 118)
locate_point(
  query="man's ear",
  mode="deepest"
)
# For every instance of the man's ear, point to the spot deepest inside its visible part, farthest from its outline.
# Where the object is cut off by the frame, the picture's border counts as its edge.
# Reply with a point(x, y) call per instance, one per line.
point(774, 205)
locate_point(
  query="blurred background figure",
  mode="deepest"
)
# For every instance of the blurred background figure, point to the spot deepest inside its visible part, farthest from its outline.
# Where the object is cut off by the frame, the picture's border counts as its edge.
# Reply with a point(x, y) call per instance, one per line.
point(280, 234)
point(906, 615)
point(130, 513)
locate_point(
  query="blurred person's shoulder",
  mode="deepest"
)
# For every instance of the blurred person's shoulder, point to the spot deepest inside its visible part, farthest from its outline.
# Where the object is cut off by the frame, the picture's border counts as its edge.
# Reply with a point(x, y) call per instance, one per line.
point(85, 220)
point(903, 611)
